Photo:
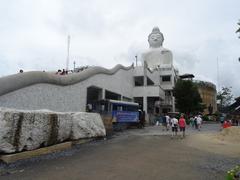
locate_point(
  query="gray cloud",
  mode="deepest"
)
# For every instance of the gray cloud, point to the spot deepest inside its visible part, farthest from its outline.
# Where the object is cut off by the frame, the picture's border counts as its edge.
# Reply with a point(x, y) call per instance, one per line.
point(33, 34)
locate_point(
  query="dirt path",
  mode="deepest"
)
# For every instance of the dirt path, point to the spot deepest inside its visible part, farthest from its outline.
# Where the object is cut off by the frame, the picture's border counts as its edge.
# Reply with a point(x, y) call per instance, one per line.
point(209, 142)
point(135, 154)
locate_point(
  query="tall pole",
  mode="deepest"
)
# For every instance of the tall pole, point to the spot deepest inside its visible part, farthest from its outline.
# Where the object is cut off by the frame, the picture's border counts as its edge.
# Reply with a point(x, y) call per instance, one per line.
point(74, 64)
point(136, 60)
point(68, 49)
point(218, 85)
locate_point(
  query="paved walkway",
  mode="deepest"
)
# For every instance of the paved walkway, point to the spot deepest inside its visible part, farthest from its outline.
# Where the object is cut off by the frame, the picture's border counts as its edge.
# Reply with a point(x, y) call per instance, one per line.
point(160, 130)
point(136, 154)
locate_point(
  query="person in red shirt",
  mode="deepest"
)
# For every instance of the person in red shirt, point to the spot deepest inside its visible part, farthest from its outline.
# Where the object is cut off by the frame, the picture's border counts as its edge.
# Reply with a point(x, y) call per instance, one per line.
point(226, 124)
point(182, 125)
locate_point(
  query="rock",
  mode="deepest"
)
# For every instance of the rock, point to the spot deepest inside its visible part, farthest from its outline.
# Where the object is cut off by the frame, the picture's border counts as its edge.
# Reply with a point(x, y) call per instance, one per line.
point(87, 125)
point(7, 129)
point(34, 131)
point(29, 130)
point(65, 126)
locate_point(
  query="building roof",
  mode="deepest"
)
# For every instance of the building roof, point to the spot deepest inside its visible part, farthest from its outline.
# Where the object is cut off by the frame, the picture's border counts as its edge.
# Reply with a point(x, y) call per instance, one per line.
point(235, 107)
point(185, 76)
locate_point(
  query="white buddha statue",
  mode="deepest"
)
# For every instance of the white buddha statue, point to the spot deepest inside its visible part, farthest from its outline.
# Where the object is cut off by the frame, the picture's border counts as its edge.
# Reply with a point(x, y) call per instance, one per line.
point(157, 55)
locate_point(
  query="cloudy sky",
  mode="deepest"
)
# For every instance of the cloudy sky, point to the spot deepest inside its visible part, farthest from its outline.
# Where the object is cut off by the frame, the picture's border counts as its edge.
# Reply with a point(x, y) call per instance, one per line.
point(33, 34)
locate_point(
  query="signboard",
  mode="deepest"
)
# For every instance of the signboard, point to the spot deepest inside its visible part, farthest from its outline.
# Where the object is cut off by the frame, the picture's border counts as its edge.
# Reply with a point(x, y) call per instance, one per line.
point(126, 116)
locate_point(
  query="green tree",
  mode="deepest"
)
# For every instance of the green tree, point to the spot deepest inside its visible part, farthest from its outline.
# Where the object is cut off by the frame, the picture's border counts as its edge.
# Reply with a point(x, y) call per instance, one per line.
point(188, 99)
point(225, 97)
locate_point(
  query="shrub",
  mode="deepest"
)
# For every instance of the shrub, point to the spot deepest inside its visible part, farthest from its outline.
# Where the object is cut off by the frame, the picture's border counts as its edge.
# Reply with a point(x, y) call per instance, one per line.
point(233, 173)
point(206, 118)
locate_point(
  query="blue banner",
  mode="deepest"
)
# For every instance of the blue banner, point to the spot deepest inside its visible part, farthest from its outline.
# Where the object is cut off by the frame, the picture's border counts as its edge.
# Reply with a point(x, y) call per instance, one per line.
point(126, 116)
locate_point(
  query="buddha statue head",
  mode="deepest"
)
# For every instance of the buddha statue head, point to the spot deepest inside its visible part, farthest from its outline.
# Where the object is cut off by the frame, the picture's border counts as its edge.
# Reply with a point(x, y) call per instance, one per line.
point(155, 39)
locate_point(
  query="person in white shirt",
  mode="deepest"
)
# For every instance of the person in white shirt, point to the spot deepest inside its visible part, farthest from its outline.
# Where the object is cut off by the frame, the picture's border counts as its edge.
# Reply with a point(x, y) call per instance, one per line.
point(174, 124)
point(199, 122)
point(168, 122)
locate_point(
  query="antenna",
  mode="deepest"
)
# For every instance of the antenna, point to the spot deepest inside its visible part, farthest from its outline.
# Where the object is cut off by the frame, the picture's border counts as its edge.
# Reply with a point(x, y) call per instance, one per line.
point(68, 49)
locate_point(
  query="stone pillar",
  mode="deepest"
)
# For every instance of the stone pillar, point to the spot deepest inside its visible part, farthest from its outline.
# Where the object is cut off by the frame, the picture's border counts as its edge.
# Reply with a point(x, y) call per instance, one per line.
point(144, 73)
point(145, 108)
point(173, 104)
point(145, 104)
point(103, 93)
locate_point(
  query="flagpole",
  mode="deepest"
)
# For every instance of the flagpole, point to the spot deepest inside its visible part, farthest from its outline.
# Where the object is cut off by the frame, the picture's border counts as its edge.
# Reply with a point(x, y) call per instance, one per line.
point(218, 85)
point(68, 49)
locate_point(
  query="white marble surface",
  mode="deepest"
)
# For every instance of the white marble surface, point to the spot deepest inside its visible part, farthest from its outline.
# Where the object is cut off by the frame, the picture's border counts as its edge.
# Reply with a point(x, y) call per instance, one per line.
point(88, 125)
point(28, 130)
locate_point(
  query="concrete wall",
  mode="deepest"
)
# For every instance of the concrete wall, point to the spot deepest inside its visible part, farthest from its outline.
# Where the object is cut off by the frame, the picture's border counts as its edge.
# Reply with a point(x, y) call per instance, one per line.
point(47, 96)
point(69, 97)
point(148, 91)
point(168, 70)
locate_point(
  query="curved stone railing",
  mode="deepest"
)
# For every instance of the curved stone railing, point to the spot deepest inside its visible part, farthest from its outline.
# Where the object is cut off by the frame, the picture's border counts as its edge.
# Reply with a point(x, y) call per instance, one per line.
point(21, 80)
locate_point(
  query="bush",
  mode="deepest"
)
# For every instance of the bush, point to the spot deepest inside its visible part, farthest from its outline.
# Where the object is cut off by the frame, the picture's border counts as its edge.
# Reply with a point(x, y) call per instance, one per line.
point(187, 121)
point(206, 118)
point(233, 173)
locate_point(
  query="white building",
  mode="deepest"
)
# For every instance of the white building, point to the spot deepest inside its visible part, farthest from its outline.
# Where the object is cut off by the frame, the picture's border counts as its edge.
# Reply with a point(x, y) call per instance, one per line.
point(150, 85)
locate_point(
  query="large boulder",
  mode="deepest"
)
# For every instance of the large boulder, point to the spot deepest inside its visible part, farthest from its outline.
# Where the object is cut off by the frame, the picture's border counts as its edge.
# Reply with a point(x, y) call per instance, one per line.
point(28, 130)
point(85, 125)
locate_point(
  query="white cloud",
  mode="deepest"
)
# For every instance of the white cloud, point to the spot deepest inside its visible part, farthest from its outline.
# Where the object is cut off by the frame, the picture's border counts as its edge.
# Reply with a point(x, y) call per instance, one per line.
point(33, 34)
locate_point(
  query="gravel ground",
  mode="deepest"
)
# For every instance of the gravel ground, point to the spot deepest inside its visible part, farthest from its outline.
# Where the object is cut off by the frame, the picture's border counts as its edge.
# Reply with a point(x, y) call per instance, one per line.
point(147, 153)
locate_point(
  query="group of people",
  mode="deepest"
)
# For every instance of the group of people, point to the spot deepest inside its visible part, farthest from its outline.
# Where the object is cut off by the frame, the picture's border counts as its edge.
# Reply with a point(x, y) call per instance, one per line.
point(226, 124)
point(174, 124)
point(179, 124)
point(196, 122)
point(228, 121)
point(75, 70)
point(62, 72)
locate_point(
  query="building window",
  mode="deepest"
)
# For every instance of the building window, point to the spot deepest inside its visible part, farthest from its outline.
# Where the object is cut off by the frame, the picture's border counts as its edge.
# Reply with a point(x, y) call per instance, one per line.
point(167, 93)
point(138, 80)
point(166, 78)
